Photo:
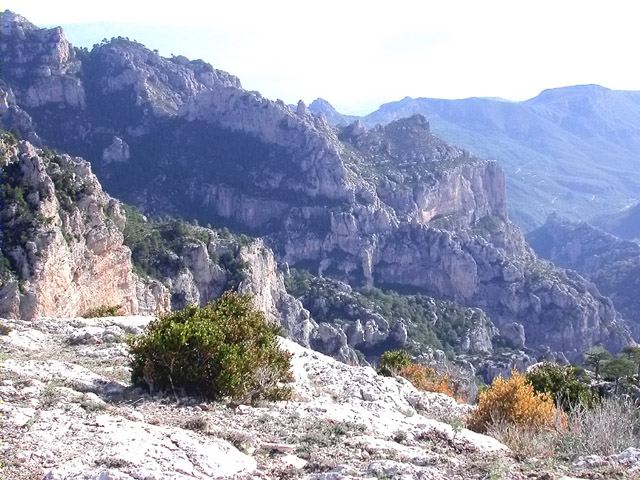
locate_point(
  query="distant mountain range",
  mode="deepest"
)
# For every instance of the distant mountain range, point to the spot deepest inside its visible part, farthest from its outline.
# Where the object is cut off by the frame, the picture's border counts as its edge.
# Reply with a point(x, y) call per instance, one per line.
point(572, 150)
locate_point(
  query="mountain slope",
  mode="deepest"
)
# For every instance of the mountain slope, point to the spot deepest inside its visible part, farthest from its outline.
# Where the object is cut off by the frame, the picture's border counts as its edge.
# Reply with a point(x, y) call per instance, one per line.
point(611, 263)
point(392, 206)
point(573, 150)
point(60, 237)
point(624, 224)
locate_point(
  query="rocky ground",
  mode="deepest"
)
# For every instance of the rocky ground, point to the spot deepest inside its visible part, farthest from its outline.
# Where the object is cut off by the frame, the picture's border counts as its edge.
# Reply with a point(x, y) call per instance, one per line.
point(69, 413)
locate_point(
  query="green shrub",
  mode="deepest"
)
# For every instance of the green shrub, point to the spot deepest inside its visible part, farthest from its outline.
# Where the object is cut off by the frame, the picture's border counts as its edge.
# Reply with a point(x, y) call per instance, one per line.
point(393, 361)
point(564, 384)
point(103, 311)
point(224, 349)
point(617, 369)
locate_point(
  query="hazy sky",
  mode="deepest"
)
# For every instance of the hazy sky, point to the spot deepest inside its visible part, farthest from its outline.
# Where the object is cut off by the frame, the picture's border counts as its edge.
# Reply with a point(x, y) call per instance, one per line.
point(359, 54)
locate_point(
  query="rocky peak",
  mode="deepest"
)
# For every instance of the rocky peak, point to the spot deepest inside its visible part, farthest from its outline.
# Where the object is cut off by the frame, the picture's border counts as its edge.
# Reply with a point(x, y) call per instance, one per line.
point(163, 84)
point(353, 130)
point(11, 23)
point(322, 107)
point(40, 63)
point(301, 108)
point(415, 123)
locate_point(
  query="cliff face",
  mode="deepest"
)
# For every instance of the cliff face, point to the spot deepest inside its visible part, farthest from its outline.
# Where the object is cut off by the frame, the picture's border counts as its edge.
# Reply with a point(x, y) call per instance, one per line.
point(63, 251)
point(609, 262)
point(61, 237)
point(184, 264)
point(391, 206)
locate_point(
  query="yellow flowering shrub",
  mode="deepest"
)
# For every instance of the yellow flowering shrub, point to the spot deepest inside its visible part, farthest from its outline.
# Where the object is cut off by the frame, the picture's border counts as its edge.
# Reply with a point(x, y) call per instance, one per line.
point(514, 401)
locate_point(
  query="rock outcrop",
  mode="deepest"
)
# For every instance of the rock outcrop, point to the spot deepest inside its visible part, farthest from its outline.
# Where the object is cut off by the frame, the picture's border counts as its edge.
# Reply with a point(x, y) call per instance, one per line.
point(192, 265)
point(390, 206)
point(62, 244)
point(69, 411)
point(372, 321)
point(63, 251)
point(68, 380)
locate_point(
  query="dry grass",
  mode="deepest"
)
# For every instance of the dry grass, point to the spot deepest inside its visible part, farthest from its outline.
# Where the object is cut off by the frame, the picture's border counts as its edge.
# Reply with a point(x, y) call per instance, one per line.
point(607, 429)
point(610, 427)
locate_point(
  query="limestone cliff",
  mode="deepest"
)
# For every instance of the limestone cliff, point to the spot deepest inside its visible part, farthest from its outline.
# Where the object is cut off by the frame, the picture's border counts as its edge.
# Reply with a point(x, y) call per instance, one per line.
point(390, 206)
point(189, 264)
point(64, 250)
point(61, 242)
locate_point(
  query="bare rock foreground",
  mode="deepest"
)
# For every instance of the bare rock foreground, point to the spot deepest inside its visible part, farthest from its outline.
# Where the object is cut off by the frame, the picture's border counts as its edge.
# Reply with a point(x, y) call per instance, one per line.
point(69, 413)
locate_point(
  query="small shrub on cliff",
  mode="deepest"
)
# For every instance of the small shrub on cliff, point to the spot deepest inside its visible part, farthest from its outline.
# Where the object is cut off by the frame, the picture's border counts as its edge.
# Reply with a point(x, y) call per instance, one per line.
point(5, 329)
point(427, 379)
point(225, 349)
point(563, 383)
point(398, 362)
point(103, 311)
point(392, 361)
point(513, 401)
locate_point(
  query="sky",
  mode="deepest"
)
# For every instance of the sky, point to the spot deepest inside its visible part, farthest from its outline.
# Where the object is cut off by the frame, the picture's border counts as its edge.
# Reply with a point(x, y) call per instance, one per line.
point(360, 54)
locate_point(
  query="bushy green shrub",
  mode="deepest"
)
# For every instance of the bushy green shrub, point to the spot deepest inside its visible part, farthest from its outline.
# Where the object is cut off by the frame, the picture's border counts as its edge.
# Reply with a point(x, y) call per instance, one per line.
point(224, 349)
point(616, 369)
point(565, 384)
point(392, 361)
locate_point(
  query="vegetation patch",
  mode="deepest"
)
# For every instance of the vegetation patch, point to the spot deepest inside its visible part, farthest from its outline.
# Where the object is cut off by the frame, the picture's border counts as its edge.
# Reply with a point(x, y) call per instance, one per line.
point(104, 311)
point(565, 384)
point(157, 244)
point(513, 401)
point(430, 322)
point(423, 377)
point(225, 349)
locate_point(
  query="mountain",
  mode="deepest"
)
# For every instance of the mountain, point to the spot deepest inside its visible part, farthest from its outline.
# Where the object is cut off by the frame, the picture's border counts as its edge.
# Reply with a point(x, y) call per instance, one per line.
point(67, 248)
point(571, 150)
point(61, 237)
point(391, 206)
point(321, 106)
point(624, 224)
point(613, 264)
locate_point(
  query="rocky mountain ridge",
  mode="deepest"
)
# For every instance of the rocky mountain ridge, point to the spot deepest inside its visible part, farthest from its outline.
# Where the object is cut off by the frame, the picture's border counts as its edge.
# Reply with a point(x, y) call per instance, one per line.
point(572, 150)
point(391, 206)
point(624, 224)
